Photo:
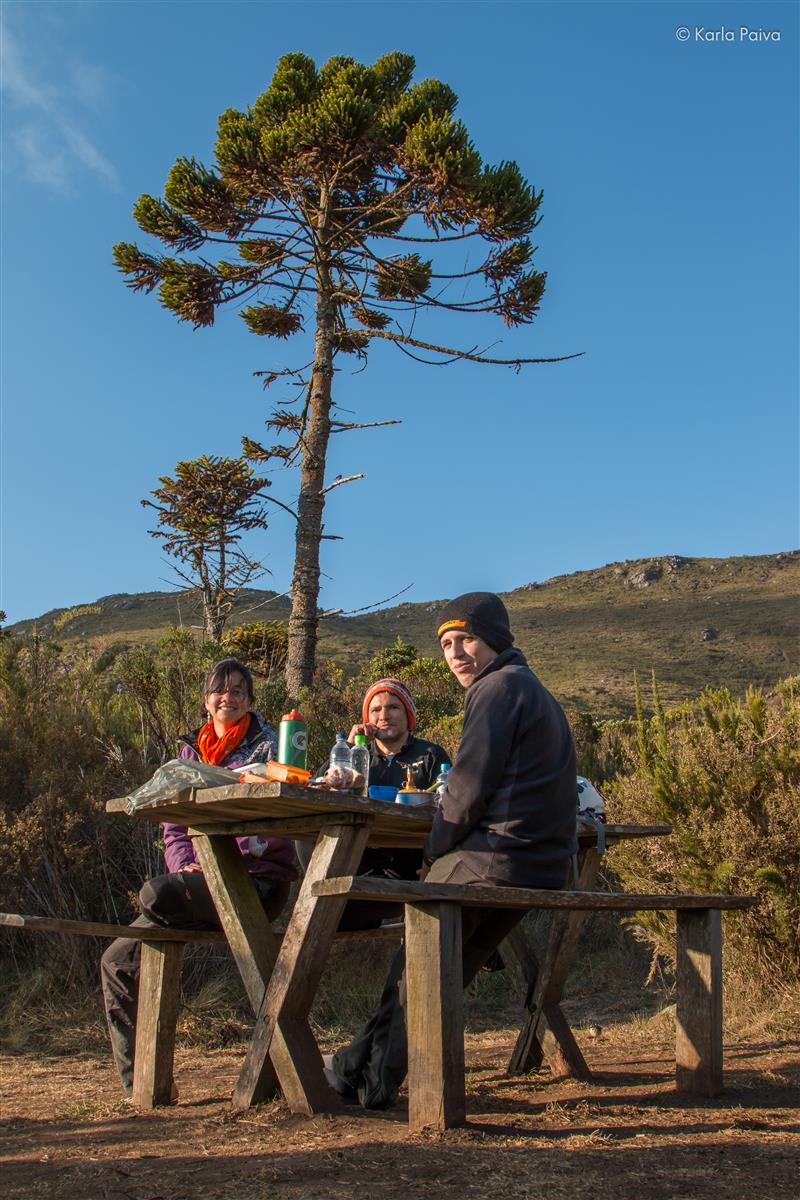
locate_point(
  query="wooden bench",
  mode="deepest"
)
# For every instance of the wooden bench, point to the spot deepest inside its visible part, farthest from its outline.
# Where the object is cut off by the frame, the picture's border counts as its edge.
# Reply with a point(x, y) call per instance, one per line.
point(435, 1014)
point(159, 986)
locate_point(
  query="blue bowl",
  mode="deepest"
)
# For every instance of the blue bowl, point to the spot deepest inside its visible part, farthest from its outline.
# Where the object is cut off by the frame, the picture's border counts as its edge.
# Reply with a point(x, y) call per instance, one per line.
point(415, 799)
point(389, 794)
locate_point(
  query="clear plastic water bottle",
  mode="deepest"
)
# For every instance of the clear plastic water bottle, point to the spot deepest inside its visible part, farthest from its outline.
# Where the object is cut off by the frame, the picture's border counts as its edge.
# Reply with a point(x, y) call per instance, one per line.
point(359, 760)
point(441, 782)
point(341, 753)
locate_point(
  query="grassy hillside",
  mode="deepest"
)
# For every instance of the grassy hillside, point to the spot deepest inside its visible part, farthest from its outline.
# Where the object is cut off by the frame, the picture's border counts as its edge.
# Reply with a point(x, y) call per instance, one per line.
point(697, 622)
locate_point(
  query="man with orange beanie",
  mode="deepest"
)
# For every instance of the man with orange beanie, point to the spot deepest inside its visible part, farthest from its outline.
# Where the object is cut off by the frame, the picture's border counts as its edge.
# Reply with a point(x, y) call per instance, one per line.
point(388, 721)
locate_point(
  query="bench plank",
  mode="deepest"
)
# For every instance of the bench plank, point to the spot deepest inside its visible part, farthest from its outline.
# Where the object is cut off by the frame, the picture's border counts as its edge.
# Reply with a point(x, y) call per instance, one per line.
point(156, 933)
point(102, 929)
point(399, 891)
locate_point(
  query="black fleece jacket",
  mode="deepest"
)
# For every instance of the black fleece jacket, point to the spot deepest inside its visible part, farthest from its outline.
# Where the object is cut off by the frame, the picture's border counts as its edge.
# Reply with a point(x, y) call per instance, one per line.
point(510, 804)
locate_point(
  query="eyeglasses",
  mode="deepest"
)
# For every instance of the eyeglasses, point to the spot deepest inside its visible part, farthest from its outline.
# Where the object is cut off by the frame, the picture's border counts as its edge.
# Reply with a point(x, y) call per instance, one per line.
point(234, 693)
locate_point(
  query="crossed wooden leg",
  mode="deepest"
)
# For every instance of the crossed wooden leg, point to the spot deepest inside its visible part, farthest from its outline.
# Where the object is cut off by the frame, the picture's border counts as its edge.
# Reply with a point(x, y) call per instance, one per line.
point(546, 1031)
point(246, 926)
point(282, 1032)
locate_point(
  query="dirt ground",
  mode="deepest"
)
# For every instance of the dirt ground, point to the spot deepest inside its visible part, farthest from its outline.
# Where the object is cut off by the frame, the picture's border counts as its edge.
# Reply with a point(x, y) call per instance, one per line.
point(67, 1135)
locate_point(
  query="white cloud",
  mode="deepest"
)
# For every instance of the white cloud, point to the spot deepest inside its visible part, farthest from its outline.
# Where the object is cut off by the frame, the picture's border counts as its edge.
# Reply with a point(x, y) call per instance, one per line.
point(40, 158)
point(46, 140)
point(89, 83)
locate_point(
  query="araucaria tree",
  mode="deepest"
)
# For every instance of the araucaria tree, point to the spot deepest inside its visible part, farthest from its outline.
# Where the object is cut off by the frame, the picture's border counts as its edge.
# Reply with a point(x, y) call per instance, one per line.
point(332, 191)
point(202, 514)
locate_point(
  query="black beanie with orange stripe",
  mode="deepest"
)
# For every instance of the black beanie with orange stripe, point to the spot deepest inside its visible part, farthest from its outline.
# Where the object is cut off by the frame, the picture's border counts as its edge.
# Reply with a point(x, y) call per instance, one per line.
point(481, 614)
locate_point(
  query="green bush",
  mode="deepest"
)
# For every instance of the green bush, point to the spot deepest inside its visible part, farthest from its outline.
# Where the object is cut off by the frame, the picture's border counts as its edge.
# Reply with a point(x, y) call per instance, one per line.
point(725, 773)
point(260, 644)
point(70, 740)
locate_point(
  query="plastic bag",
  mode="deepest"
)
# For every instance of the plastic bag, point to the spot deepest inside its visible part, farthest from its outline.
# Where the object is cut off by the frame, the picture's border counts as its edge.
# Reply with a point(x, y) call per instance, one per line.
point(177, 775)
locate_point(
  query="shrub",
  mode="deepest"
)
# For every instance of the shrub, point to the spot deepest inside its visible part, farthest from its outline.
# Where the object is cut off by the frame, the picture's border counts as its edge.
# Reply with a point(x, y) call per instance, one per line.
point(70, 740)
point(725, 774)
point(260, 644)
point(165, 684)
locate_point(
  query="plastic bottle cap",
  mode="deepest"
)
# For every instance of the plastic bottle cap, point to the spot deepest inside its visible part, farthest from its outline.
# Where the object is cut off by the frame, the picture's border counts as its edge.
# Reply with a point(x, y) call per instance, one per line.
point(293, 715)
point(361, 739)
point(341, 737)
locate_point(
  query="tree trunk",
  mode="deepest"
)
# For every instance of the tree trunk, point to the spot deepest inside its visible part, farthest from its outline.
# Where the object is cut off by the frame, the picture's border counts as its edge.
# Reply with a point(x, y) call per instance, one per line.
point(305, 580)
point(213, 621)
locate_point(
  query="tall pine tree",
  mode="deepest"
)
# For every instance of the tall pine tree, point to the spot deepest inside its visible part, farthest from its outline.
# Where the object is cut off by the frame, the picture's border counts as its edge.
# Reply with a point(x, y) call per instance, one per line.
point(332, 191)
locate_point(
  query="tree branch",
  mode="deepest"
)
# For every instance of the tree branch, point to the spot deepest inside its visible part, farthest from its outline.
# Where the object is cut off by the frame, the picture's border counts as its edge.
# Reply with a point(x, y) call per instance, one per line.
point(464, 354)
point(341, 612)
point(344, 426)
point(339, 481)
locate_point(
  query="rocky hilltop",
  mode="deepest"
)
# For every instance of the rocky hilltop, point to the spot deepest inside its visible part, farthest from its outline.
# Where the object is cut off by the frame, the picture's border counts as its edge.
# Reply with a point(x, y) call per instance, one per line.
point(720, 622)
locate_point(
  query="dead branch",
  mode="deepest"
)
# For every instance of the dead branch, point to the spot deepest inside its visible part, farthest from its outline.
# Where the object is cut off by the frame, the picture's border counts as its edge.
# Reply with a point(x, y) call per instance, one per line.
point(400, 339)
point(339, 480)
point(349, 612)
point(343, 426)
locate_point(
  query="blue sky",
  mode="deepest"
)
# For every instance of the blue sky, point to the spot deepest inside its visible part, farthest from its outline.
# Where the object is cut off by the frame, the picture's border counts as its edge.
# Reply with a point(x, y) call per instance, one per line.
point(669, 170)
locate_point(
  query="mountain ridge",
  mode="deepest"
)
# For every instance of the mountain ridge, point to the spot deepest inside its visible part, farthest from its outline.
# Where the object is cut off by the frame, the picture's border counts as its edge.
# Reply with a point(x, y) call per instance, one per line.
point(720, 622)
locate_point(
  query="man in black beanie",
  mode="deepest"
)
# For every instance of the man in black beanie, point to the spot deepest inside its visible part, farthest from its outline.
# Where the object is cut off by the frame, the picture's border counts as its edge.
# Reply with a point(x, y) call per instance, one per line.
point(507, 817)
point(508, 813)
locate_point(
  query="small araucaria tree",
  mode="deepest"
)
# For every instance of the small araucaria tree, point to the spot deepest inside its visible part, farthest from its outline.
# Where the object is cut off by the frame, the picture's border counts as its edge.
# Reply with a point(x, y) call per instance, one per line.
point(202, 514)
point(332, 191)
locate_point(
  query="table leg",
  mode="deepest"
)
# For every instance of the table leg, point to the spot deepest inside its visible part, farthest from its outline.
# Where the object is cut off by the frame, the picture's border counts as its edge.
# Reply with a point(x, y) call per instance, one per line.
point(546, 1030)
point(698, 1033)
point(282, 1032)
point(245, 924)
point(519, 959)
point(434, 1016)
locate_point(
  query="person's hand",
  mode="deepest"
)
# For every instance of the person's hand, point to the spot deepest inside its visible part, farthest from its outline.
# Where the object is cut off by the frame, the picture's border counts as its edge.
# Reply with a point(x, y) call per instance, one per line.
point(192, 867)
point(370, 732)
point(339, 779)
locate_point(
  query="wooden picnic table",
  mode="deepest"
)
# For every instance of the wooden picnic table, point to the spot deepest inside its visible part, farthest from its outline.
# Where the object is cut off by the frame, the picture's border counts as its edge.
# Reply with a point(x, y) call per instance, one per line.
point(281, 977)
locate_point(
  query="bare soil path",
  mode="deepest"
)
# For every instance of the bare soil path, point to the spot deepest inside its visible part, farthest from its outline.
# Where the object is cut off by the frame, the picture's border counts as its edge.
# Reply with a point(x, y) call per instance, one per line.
point(66, 1135)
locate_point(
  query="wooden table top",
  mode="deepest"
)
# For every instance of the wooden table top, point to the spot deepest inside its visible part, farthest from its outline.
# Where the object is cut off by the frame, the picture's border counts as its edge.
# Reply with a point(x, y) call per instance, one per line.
point(289, 810)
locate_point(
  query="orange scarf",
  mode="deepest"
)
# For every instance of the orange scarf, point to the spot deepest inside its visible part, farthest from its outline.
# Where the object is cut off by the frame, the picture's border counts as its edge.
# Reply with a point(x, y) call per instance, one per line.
point(214, 749)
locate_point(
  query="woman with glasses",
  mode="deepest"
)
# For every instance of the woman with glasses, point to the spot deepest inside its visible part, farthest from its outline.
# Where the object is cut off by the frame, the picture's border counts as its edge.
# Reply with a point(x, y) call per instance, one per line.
point(231, 736)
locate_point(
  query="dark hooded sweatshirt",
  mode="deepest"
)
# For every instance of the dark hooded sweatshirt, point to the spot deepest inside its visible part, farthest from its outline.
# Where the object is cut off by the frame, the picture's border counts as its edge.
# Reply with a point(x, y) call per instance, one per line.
point(510, 804)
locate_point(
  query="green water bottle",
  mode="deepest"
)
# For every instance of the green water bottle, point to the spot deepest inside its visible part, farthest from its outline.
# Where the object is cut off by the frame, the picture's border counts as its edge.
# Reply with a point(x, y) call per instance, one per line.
point(293, 739)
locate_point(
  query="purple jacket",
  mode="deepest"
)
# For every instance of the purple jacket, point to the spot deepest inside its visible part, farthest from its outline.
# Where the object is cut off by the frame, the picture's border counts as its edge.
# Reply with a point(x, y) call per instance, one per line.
point(267, 858)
